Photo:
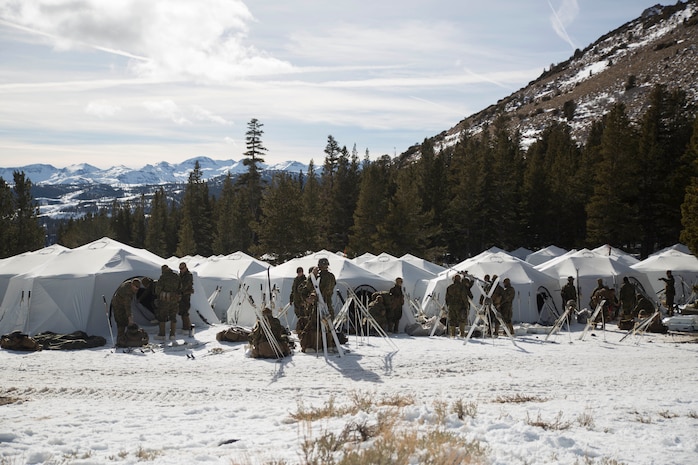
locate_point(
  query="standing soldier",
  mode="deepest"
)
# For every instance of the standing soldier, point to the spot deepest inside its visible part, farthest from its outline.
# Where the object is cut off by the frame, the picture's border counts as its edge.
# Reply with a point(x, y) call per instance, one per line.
point(568, 291)
point(327, 284)
point(669, 291)
point(167, 290)
point(121, 305)
point(297, 297)
point(507, 303)
point(186, 289)
point(457, 303)
point(627, 298)
point(397, 300)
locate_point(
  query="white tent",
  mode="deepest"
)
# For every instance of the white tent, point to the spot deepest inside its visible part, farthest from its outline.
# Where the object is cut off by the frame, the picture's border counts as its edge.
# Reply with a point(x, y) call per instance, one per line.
point(616, 254)
point(424, 264)
point(23, 263)
point(521, 253)
point(543, 255)
point(587, 267)
point(226, 272)
point(280, 279)
point(362, 258)
point(414, 278)
point(524, 278)
point(683, 266)
point(68, 293)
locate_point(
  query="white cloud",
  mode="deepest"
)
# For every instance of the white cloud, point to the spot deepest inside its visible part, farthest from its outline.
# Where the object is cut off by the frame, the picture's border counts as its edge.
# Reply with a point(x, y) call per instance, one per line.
point(166, 109)
point(202, 41)
point(102, 108)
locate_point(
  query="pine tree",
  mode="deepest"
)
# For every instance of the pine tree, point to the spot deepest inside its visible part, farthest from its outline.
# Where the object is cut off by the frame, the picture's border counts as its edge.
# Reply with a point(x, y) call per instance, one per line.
point(28, 234)
point(371, 207)
point(197, 210)
point(223, 239)
point(405, 228)
point(6, 214)
point(138, 224)
point(311, 205)
point(612, 216)
point(156, 228)
point(689, 207)
point(249, 184)
point(281, 229)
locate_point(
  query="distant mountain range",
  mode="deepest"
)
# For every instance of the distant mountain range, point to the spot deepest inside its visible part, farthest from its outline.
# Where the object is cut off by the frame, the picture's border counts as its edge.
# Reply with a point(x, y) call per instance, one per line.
point(159, 174)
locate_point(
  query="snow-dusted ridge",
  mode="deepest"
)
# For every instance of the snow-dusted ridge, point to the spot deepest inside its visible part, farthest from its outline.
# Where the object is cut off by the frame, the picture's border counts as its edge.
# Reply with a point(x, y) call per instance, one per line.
point(160, 173)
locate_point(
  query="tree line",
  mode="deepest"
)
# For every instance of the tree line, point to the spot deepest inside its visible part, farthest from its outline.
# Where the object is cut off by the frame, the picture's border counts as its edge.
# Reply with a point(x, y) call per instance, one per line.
point(632, 184)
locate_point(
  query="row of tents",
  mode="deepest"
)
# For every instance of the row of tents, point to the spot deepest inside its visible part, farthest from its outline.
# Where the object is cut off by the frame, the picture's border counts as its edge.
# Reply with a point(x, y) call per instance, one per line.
point(64, 290)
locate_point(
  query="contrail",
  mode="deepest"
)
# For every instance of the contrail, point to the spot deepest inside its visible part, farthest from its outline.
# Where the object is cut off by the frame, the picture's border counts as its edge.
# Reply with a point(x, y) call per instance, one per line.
point(559, 26)
point(53, 36)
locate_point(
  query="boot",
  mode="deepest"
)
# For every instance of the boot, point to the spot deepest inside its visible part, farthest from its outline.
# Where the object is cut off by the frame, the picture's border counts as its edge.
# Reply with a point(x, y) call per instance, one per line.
point(173, 330)
point(161, 332)
point(186, 323)
point(461, 329)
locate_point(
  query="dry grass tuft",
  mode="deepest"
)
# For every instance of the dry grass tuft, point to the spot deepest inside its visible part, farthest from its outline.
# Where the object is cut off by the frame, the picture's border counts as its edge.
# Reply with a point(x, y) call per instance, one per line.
point(518, 399)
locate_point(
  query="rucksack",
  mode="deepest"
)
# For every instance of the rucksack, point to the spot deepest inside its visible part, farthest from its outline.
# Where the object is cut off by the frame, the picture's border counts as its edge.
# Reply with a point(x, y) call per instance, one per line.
point(17, 340)
point(133, 337)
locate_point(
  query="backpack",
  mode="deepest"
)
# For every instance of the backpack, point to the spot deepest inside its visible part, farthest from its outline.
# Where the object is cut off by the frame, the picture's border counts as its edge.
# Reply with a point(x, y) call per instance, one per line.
point(133, 337)
point(17, 340)
point(233, 334)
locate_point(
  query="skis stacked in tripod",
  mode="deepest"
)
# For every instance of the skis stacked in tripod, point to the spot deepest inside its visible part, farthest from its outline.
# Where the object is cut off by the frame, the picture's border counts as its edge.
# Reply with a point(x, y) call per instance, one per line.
point(591, 319)
point(487, 307)
point(564, 318)
point(324, 315)
point(641, 327)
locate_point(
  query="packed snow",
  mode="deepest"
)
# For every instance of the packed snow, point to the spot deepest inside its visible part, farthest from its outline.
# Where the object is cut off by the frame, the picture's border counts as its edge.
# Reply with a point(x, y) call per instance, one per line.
point(562, 401)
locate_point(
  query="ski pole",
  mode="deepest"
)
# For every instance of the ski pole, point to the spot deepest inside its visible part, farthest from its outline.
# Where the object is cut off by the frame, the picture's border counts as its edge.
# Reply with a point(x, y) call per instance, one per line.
point(106, 311)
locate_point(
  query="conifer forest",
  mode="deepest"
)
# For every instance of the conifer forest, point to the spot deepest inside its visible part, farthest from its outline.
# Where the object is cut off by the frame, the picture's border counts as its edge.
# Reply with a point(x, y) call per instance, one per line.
point(632, 184)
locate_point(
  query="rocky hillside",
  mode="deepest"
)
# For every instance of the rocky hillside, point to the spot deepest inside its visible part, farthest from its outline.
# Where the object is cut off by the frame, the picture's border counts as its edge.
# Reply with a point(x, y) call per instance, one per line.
point(659, 47)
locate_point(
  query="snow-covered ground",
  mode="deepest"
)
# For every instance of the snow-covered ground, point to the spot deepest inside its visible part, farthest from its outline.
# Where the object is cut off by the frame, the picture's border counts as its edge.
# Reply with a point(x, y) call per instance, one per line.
point(572, 401)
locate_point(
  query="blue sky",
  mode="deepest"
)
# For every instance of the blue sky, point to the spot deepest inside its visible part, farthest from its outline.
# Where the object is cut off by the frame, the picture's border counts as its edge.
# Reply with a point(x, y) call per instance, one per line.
point(133, 82)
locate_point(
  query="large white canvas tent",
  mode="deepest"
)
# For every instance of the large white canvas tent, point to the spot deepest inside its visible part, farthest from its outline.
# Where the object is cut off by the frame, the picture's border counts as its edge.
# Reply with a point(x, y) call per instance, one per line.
point(683, 266)
point(616, 254)
point(68, 293)
point(543, 255)
point(226, 272)
point(424, 264)
point(280, 279)
point(587, 266)
point(525, 279)
point(414, 279)
point(25, 262)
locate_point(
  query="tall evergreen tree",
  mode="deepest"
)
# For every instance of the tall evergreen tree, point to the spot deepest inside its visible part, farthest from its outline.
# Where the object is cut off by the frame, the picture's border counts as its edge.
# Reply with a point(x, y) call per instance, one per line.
point(281, 229)
point(249, 185)
point(612, 216)
point(197, 211)
point(6, 215)
point(28, 234)
point(138, 224)
point(311, 205)
point(156, 229)
point(224, 241)
point(689, 207)
point(661, 175)
point(371, 208)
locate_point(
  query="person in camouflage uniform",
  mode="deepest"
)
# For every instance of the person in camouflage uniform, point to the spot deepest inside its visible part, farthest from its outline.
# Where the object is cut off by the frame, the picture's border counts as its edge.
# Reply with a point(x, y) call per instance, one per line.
point(506, 304)
point(327, 284)
point(627, 298)
point(260, 346)
point(397, 300)
point(458, 306)
point(167, 290)
point(186, 289)
point(568, 291)
point(297, 292)
point(497, 295)
point(121, 305)
point(669, 291)
point(378, 310)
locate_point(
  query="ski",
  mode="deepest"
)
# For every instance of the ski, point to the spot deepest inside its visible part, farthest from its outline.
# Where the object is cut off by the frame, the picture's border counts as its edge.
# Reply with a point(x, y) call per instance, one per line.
point(324, 314)
point(591, 319)
point(640, 327)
